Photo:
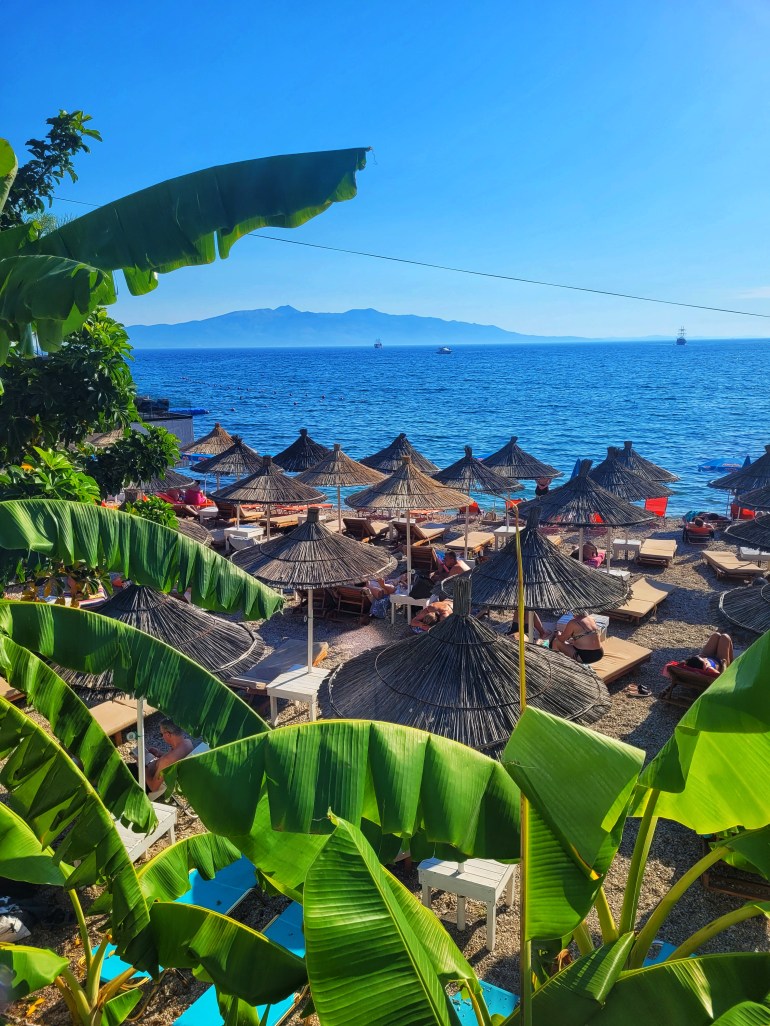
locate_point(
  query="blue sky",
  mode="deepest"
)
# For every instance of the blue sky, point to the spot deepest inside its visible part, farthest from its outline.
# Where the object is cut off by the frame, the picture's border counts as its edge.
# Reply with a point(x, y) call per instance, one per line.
point(617, 146)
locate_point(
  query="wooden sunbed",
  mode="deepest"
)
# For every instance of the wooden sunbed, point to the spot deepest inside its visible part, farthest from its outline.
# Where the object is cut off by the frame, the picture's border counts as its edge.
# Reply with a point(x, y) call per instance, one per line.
point(9, 693)
point(620, 657)
point(425, 560)
point(728, 564)
point(280, 522)
point(643, 599)
point(477, 542)
point(290, 655)
point(117, 716)
point(365, 530)
point(248, 514)
point(657, 552)
point(422, 534)
point(687, 677)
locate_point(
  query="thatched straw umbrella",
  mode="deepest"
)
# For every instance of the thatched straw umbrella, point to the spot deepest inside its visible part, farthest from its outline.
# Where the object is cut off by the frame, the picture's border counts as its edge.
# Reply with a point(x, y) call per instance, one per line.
point(613, 475)
point(637, 464)
point(460, 681)
point(311, 556)
point(757, 498)
point(553, 582)
point(389, 459)
point(211, 444)
point(338, 470)
point(747, 479)
point(101, 439)
point(512, 461)
point(470, 474)
point(192, 529)
point(223, 647)
point(302, 454)
point(237, 460)
point(578, 503)
point(748, 607)
point(171, 479)
point(268, 486)
point(407, 489)
point(750, 532)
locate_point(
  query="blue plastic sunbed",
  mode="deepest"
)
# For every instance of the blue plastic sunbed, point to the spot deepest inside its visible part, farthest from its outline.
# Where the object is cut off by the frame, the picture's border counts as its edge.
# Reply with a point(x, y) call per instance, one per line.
point(499, 1002)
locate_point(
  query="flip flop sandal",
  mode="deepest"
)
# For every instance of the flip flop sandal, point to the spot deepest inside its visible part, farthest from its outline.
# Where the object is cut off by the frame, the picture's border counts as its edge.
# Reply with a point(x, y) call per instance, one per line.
point(638, 691)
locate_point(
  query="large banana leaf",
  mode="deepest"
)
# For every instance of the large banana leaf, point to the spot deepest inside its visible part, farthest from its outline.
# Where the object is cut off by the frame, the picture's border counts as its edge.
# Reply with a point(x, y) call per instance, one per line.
point(28, 969)
point(51, 794)
point(141, 665)
point(78, 731)
point(22, 856)
point(408, 782)
point(8, 169)
point(143, 552)
point(365, 960)
point(51, 295)
point(708, 771)
point(580, 784)
point(175, 223)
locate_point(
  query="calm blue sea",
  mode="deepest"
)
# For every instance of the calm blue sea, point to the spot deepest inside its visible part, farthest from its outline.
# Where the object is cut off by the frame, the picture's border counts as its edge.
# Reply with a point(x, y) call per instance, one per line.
point(679, 405)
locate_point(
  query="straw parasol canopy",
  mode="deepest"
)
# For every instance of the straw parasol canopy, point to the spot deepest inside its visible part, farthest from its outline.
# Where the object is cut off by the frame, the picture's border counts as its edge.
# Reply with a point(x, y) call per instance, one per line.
point(748, 607)
point(460, 681)
point(223, 647)
point(302, 454)
point(757, 498)
point(750, 532)
point(171, 479)
point(237, 460)
point(215, 442)
point(579, 501)
point(192, 529)
point(407, 489)
point(270, 486)
point(512, 461)
point(747, 479)
point(470, 474)
point(338, 470)
point(613, 475)
point(637, 464)
point(553, 582)
point(101, 439)
point(389, 459)
point(311, 556)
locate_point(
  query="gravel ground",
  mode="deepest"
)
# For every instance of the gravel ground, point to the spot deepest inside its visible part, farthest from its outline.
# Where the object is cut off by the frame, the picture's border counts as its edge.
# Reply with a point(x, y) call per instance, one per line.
point(683, 623)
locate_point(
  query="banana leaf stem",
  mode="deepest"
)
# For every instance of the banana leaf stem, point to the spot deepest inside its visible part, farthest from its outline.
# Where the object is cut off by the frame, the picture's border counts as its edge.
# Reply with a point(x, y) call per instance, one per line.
point(583, 939)
point(639, 864)
point(660, 913)
point(606, 919)
point(94, 972)
point(77, 994)
point(479, 1009)
point(82, 928)
point(716, 926)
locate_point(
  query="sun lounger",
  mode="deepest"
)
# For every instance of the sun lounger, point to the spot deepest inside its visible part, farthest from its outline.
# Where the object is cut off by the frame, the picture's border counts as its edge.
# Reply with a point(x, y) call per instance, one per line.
point(286, 930)
point(422, 534)
point(365, 530)
point(229, 511)
point(688, 677)
point(477, 542)
point(9, 693)
point(643, 599)
point(498, 1001)
point(351, 601)
point(280, 522)
point(137, 844)
point(425, 560)
point(117, 716)
point(657, 552)
point(728, 564)
point(290, 655)
point(620, 657)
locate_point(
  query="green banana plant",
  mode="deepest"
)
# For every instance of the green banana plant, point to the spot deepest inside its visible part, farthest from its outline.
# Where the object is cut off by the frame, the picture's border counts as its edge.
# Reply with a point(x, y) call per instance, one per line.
point(50, 284)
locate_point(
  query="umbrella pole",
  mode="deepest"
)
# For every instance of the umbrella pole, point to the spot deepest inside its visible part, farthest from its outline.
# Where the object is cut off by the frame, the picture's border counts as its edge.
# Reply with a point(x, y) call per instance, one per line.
point(140, 749)
point(268, 521)
point(580, 545)
point(609, 548)
point(408, 552)
point(218, 476)
point(467, 515)
point(237, 514)
point(531, 626)
point(339, 510)
point(309, 629)
point(507, 512)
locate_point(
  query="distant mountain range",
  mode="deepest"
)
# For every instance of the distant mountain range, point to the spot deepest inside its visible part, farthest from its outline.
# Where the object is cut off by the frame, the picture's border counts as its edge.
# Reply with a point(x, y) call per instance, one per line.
point(289, 327)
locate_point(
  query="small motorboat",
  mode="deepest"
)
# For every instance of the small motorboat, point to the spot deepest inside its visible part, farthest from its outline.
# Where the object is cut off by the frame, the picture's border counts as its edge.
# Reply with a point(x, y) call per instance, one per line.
point(443, 350)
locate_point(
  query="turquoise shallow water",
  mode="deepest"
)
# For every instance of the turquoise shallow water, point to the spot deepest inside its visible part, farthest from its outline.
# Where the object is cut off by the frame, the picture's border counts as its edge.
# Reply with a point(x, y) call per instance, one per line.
point(679, 405)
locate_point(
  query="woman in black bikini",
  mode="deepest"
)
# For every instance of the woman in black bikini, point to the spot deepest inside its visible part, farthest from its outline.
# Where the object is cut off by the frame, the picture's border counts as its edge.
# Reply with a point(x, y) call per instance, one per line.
point(580, 639)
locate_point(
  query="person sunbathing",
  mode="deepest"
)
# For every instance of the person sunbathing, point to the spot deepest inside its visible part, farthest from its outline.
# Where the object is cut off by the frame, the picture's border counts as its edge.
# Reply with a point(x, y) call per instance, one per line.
point(180, 747)
point(579, 639)
point(450, 566)
point(715, 656)
point(591, 555)
point(433, 613)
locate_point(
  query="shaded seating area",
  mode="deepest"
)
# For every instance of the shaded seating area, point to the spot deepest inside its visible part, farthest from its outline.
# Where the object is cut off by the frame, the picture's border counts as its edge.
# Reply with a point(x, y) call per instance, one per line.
point(421, 534)
point(657, 552)
point(644, 598)
point(118, 716)
point(365, 530)
point(620, 658)
point(289, 655)
point(350, 600)
point(477, 541)
point(731, 566)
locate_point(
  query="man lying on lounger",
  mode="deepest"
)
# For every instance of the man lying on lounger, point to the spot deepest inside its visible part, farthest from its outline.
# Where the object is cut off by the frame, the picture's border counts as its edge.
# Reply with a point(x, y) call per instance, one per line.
point(433, 613)
point(180, 747)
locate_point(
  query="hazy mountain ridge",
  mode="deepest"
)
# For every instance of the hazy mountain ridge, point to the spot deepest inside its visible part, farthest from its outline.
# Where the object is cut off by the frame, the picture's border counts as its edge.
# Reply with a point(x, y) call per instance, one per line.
point(286, 326)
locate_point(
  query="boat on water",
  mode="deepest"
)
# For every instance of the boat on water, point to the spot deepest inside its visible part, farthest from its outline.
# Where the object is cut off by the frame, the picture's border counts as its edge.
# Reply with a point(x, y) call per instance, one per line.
point(377, 344)
point(681, 339)
point(443, 350)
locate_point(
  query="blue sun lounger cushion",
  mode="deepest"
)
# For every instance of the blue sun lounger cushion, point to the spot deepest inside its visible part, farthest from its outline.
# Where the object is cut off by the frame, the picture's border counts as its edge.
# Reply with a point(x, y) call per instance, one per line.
point(285, 930)
point(498, 1001)
point(220, 894)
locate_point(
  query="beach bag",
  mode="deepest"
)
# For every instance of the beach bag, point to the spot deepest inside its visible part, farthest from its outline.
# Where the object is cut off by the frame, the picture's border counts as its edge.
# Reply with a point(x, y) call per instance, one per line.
point(422, 588)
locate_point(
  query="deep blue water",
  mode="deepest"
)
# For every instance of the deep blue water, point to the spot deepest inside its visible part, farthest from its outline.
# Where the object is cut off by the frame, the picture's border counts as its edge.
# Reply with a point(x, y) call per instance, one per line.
point(679, 405)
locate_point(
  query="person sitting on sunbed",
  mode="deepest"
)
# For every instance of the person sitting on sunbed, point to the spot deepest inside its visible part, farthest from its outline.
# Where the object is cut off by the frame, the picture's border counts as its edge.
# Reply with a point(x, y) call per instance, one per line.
point(579, 639)
point(449, 566)
point(180, 747)
point(433, 613)
point(380, 591)
point(591, 555)
point(715, 656)
point(541, 634)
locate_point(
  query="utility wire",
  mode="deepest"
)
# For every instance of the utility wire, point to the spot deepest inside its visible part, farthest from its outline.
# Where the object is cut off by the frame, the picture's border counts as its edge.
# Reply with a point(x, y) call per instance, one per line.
point(482, 274)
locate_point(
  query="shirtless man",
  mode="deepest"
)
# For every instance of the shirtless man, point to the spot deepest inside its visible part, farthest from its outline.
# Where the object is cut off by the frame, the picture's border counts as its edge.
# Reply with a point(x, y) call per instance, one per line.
point(180, 746)
point(432, 614)
point(450, 567)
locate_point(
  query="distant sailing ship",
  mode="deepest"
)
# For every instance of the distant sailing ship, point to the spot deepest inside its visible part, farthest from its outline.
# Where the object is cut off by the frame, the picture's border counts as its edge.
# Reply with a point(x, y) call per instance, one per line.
point(377, 344)
point(443, 350)
point(681, 340)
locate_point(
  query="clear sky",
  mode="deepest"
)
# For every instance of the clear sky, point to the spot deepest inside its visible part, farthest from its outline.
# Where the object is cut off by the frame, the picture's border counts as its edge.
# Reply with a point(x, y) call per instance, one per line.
point(621, 146)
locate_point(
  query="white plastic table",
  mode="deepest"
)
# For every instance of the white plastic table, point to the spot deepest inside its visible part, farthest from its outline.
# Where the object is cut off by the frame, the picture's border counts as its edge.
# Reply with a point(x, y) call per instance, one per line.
point(753, 555)
point(504, 534)
point(300, 685)
point(137, 844)
point(624, 575)
point(477, 879)
point(405, 600)
point(251, 532)
point(626, 546)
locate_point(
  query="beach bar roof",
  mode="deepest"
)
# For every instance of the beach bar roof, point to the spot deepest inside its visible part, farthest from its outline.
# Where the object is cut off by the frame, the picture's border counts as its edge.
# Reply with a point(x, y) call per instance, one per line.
point(389, 459)
point(302, 454)
point(211, 444)
point(237, 460)
point(748, 607)
point(553, 582)
point(613, 475)
point(512, 461)
point(637, 464)
point(461, 681)
point(580, 501)
point(747, 479)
